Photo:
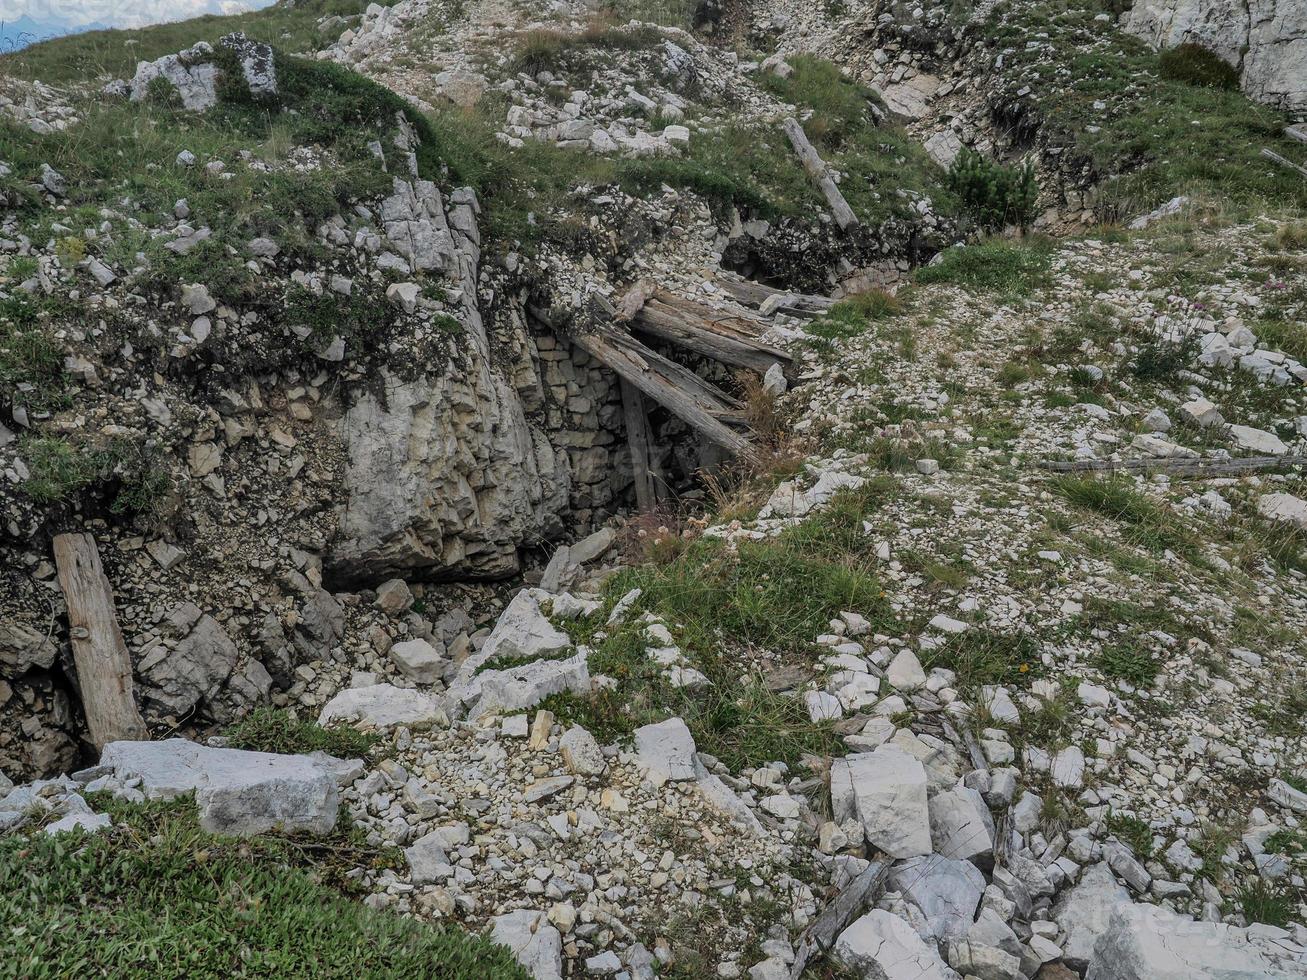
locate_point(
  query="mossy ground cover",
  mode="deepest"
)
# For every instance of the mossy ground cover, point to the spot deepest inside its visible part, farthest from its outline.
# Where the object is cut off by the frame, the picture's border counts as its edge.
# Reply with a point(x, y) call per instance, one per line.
point(158, 897)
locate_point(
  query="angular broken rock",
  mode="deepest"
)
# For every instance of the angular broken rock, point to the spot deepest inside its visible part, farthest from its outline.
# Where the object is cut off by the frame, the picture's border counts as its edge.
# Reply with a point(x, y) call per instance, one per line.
point(886, 791)
point(665, 751)
point(947, 892)
point(427, 862)
point(1284, 507)
point(1085, 912)
point(1147, 942)
point(962, 826)
point(581, 753)
point(237, 792)
point(523, 632)
point(882, 945)
point(383, 706)
point(418, 660)
point(519, 687)
point(535, 944)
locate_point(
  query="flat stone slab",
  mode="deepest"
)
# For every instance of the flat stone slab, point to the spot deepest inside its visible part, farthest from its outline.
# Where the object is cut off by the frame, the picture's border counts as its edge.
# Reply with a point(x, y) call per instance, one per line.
point(666, 751)
point(383, 706)
point(237, 792)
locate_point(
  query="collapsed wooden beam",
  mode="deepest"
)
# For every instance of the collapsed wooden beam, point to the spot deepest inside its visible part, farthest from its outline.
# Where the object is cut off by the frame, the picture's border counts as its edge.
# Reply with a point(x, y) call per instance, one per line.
point(639, 442)
point(703, 330)
point(1272, 155)
point(1173, 466)
point(771, 300)
point(820, 174)
point(667, 383)
point(104, 668)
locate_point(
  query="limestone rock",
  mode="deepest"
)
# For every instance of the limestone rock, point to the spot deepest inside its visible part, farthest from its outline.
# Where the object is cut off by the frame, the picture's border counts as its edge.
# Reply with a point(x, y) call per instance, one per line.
point(886, 791)
point(535, 944)
point(382, 706)
point(880, 944)
point(666, 751)
point(237, 792)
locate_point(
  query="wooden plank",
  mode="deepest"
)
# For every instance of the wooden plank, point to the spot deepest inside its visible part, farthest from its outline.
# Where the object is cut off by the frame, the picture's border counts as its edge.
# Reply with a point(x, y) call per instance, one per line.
point(1298, 132)
point(1184, 466)
point(718, 339)
point(1272, 155)
point(849, 904)
point(755, 294)
point(820, 174)
point(637, 438)
point(643, 371)
point(104, 669)
point(708, 396)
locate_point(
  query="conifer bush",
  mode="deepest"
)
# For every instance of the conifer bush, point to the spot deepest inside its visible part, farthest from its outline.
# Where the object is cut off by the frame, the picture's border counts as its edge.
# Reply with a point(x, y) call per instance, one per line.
point(995, 195)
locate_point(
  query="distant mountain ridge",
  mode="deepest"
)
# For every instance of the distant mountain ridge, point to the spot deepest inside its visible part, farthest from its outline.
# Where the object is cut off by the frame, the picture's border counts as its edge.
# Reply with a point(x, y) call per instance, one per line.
point(18, 34)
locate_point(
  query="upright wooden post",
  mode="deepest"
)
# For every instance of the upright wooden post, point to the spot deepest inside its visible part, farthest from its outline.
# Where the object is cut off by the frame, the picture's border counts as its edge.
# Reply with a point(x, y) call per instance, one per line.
point(637, 438)
point(104, 668)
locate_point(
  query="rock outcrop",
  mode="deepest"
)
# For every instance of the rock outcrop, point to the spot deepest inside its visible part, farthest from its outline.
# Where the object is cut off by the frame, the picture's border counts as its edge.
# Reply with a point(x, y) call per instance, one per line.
point(1266, 40)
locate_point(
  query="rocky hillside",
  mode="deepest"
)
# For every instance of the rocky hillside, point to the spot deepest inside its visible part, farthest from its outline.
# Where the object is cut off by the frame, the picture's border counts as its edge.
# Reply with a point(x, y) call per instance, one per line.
point(655, 489)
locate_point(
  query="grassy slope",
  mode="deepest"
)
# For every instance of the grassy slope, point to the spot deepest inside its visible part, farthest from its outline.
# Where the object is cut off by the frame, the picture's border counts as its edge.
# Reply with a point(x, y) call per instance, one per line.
point(1157, 137)
point(84, 57)
point(158, 897)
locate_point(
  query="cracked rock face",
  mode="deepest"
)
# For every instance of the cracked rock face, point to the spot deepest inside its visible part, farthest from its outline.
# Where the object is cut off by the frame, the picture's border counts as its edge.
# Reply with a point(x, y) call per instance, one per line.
point(1265, 39)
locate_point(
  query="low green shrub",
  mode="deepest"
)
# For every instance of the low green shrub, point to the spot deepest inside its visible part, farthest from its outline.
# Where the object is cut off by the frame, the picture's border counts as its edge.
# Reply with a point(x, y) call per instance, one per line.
point(993, 194)
point(1193, 64)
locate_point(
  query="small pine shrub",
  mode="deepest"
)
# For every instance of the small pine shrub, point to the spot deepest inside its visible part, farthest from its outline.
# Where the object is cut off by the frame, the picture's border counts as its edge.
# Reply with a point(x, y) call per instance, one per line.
point(993, 194)
point(1193, 64)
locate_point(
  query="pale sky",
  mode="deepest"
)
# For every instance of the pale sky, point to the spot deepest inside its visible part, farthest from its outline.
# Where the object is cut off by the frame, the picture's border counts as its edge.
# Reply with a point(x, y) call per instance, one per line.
point(119, 13)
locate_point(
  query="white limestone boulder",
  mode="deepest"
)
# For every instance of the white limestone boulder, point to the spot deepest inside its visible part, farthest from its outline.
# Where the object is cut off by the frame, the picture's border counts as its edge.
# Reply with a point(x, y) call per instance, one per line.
point(383, 706)
point(237, 792)
point(886, 791)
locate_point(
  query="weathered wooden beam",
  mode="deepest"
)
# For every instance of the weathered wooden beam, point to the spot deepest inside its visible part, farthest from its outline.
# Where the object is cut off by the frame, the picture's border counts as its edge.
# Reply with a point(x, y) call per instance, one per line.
point(718, 338)
point(707, 395)
point(104, 668)
point(646, 370)
point(820, 174)
point(1283, 162)
point(757, 295)
point(637, 439)
point(1298, 132)
point(1185, 466)
point(633, 300)
point(857, 896)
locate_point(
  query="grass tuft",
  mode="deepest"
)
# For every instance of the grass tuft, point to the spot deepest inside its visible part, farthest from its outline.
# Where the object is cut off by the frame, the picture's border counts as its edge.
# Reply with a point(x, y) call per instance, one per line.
point(274, 730)
point(997, 265)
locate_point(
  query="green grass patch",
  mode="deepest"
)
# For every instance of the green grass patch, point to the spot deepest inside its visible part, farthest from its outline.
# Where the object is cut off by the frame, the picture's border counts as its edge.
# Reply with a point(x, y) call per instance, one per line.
point(1193, 64)
point(274, 730)
point(293, 27)
point(996, 265)
point(1263, 901)
point(158, 897)
point(1132, 831)
point(1160, 135)
point(1145, 522)
point(983, 657)
point(1128, 662)
point(722, 606)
